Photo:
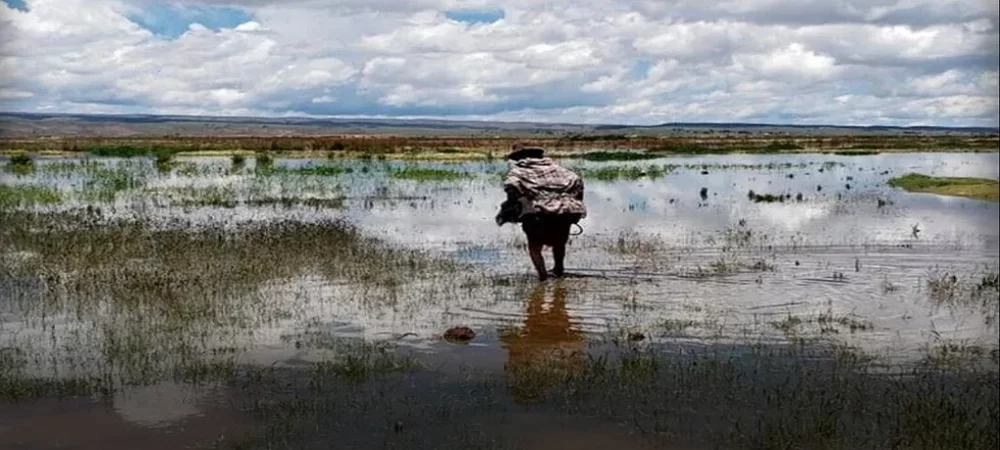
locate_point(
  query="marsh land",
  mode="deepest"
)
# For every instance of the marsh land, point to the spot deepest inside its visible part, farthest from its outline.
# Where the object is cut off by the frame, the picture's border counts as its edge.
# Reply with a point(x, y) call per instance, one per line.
point(757, 292)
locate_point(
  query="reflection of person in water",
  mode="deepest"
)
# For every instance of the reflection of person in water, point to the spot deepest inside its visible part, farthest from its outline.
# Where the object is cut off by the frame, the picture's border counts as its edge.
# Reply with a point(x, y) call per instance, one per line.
point(547, 347)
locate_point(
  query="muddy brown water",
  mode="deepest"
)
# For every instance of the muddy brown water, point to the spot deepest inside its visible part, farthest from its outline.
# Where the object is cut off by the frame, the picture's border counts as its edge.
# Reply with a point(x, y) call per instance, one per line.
point(656, 258)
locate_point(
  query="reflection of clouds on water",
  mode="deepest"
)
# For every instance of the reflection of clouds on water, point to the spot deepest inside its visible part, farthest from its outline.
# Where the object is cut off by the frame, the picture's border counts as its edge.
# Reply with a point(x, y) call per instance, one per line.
point(672, 208)
point(158, 405)
point(792, 217)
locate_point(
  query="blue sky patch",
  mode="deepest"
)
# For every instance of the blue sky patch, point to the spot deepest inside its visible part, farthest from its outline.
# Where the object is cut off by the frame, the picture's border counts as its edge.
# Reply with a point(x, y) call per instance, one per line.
point(16, 4)
point(640, 69)
point(171, 21)
point(474, 16)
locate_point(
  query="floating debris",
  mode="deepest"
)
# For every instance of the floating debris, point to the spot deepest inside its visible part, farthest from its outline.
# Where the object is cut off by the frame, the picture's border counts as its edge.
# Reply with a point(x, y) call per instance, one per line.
point(459, 334)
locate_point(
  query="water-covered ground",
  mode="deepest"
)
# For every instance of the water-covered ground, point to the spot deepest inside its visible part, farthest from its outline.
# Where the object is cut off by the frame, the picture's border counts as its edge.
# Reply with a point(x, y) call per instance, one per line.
point(167, 269)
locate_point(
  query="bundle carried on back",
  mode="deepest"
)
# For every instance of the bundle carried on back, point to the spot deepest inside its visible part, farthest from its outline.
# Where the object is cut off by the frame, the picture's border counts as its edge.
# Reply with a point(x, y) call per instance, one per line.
point(536, 185)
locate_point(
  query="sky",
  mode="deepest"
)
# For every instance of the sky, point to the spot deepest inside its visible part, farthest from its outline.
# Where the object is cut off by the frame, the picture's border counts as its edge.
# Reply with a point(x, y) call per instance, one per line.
point(843, 62)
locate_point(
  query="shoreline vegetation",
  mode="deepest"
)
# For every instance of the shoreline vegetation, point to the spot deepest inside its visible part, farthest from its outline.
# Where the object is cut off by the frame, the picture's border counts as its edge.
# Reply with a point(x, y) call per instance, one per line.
point(591, 147)
point(974, 188)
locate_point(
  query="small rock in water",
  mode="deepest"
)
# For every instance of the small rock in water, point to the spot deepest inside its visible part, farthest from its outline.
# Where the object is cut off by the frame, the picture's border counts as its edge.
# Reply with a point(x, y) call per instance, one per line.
point(459, 334)
point(635, 336)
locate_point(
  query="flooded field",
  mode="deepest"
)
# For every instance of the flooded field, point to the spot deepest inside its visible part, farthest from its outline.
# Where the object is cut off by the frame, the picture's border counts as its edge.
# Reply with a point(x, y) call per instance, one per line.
point(727, 301)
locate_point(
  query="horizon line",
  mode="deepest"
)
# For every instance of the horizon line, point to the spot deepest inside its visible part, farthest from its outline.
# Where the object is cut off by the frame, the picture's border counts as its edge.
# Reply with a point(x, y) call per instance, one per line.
point(488, 121)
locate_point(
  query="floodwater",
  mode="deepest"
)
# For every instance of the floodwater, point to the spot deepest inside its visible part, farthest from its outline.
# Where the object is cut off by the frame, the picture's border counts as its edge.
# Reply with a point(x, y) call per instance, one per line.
point(685, 259)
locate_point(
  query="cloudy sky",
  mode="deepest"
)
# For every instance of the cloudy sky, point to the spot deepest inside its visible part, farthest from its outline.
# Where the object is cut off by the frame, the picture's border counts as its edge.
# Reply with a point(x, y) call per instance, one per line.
point(899, 62)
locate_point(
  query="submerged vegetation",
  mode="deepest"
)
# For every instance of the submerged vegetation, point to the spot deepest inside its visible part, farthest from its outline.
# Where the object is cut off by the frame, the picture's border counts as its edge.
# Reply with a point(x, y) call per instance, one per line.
point(616, 156)
point(610, 173)
point(975, 188)
point(737, 397)
point(299, 320)
point(25, 196)
point(773, 198)
point(323, 171)
point(416, 173)
point(20, 163)
point(146, 295)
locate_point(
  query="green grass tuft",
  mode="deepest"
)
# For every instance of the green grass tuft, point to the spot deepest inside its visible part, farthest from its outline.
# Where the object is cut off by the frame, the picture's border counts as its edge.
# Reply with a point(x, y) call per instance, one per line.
point(427, 174)
point(106, 182)
point(618, 156)
point(264, 161)
point(625, 172)
point(18, 196)
point(975, 188)
point(21, 163)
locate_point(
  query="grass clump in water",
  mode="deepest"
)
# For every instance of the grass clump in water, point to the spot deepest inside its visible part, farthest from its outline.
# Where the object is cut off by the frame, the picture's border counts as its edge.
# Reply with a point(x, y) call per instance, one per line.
point(771, 198)
point(326, 171)
point(238, 161)
point(632, 243)
point(981, 290)
point(264, 162)
point(365, 363)
point(782, 145)
point(106, 182)
point(854, 152)
point(131, 151)
point(21, 163)
point(686, 149)
point(975, 188)
point(613, 173)
point(164, 162)
point(119, 151)
point(289, 202)
point(18, 196)
point(321, 171)
point(416, 173)
point(827, 323)
point(618, 156)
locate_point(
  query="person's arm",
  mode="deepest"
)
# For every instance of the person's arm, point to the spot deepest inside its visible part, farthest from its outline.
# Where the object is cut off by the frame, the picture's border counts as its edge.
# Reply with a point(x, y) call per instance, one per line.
point(512, 192)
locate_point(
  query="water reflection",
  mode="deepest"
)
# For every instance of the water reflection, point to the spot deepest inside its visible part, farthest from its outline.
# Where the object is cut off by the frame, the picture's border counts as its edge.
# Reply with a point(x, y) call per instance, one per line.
point(644, 238)
point(158, 405)
point(548, 344)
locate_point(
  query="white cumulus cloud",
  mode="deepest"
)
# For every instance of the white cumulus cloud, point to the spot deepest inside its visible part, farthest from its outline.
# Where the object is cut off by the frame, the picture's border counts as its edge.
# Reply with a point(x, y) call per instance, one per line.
point(617, 61)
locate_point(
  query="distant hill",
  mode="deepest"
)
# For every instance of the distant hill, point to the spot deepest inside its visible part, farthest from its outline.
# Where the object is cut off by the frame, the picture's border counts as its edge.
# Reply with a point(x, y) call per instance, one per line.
point(66, 125)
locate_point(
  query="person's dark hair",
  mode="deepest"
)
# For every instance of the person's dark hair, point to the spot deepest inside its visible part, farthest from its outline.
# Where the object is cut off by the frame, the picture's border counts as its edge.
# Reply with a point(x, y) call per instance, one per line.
point(521, 152)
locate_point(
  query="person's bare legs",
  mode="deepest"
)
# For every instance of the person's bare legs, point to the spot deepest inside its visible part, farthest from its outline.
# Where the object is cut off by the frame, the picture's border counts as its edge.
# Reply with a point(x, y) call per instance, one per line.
point(558, 253)
point(559, 249)
point(535, 250)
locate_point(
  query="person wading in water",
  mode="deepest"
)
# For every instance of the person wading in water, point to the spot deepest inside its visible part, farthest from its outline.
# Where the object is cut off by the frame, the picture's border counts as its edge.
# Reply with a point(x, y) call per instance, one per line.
point(547, 199)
